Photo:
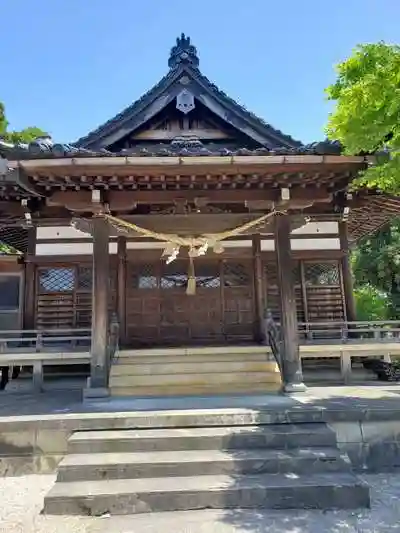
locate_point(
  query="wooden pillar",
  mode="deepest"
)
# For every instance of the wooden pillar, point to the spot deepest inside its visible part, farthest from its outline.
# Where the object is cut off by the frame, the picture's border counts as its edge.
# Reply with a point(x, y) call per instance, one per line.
point(258, 289)
point(101, 287)
point(121, 289)
point(348, 287)
point(291, 365)
point(28, 320)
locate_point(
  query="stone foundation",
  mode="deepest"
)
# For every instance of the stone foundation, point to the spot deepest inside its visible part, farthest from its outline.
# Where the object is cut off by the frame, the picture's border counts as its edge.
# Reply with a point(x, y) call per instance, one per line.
point(30, 444)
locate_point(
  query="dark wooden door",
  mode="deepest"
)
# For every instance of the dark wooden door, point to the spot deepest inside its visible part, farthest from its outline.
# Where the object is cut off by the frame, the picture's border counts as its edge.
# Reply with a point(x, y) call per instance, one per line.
point(160, 312)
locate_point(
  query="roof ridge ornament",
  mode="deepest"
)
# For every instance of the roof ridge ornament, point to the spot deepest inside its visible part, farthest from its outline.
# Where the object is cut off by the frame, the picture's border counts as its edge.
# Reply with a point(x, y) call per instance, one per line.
point(183, 53)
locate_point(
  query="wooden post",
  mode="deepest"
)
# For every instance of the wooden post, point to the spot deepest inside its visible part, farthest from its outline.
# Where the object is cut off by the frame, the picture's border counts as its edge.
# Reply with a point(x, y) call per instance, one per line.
point(29, 306)
point(258, 289)
point(348, 287)
point(291, 363)
point(121, 289)
point(101, 281)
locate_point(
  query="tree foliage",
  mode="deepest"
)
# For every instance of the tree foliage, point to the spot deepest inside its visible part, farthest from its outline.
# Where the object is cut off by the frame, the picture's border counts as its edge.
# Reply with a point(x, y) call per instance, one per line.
point(24, 136)
point(366, 118)
point(376, 262)
point(371, 303)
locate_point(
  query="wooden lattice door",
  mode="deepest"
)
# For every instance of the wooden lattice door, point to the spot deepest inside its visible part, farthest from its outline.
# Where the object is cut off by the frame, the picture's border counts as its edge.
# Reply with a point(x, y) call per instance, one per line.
point(238, 300)
point(159, 311)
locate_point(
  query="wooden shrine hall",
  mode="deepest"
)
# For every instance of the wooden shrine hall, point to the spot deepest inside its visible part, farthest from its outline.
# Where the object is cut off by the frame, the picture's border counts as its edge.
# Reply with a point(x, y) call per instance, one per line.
point(185, 217)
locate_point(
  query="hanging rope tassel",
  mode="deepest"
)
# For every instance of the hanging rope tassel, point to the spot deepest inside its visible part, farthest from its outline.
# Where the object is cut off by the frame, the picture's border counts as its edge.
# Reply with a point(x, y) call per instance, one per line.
point(191, 286)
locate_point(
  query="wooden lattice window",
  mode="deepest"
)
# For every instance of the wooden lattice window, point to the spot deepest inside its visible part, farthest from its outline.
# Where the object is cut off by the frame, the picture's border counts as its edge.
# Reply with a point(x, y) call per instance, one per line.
point(55, 301)
point(64, 296)
point(56, 279)
point(143, 276)
point(174, 275)
point(85, 278)
point(207, 275)
point(323, 291)
point(83, 296)
point(272, 289)
point(236, 275)
point(322, 274)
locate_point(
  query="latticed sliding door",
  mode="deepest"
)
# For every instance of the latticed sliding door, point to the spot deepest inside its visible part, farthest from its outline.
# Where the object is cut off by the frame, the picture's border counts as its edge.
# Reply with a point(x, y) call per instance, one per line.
point(64, 296)
point(272, 290)
point(238, 300)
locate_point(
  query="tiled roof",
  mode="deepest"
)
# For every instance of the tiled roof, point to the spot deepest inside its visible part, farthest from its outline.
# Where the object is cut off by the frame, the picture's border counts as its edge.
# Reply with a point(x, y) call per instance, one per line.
point(184, 60)
point(44, 148)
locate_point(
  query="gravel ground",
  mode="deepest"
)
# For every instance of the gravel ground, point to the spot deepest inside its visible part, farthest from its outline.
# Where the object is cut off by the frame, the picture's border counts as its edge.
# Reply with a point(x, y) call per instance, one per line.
point(22, 498)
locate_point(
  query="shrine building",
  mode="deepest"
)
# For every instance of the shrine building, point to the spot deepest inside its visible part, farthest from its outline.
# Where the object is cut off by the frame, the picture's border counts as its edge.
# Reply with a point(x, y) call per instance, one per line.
point(186, 219)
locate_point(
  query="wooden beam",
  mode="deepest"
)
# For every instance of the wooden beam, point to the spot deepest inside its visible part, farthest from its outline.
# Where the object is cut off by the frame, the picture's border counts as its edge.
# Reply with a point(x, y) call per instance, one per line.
point(165, 135)
point(127, 200)
point(291, 363)
point(29, 310)
point(100, 294)
point(347, 276)
point(121, 288)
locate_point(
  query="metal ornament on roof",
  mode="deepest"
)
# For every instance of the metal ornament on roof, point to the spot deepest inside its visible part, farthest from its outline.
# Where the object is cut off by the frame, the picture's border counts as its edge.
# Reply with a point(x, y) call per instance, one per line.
point(185, 101)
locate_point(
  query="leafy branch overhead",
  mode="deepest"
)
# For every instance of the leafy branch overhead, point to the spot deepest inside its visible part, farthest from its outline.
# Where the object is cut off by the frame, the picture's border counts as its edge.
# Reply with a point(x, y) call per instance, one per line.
point(24, 136)
point(367, 114)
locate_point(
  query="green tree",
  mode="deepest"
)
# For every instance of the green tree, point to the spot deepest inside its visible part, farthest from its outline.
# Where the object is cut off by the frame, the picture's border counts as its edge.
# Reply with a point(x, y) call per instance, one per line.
point(371, 303)
point(366, 117)
point(24, 136)
point(376, 263)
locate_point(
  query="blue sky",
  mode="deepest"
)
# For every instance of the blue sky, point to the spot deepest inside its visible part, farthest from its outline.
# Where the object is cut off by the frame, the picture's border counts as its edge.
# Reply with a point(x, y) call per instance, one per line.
point(69, 65)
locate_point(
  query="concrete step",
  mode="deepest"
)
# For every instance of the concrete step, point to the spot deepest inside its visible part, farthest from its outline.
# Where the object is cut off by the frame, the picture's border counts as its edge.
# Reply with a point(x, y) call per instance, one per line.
point(195, 380)
point(282, 436)
point(123, 368)
point(99, 466)
point(272, 491)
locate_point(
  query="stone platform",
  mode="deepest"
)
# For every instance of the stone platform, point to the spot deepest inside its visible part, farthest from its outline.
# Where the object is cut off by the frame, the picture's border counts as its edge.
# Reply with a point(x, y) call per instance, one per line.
point(34, 429)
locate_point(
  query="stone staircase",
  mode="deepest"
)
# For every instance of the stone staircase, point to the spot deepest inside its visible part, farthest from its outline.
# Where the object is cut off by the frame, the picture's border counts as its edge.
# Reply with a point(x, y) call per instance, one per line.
point(275, 466)
point(194, 371)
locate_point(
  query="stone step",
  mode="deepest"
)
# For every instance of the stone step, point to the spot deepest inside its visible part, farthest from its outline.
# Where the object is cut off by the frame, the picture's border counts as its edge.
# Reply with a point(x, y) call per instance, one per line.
point(192, 390)
point(272, 491)
point(99, 466)
point(122, 368)
point(195, 380)
point(282, 436)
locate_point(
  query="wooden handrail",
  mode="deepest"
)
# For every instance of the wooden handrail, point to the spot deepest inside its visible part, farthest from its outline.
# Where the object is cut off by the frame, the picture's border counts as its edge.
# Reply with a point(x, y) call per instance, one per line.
point(41, 340)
